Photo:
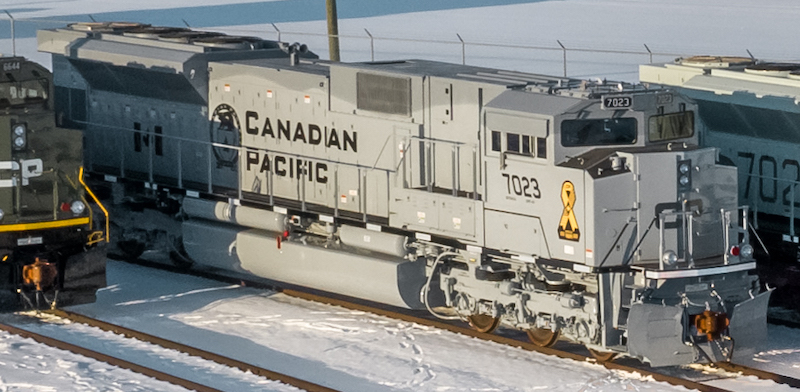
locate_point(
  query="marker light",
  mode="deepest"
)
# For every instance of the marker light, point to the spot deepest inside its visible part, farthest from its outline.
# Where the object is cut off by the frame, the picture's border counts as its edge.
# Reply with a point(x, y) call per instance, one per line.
point(734, 250)
point(2, 214)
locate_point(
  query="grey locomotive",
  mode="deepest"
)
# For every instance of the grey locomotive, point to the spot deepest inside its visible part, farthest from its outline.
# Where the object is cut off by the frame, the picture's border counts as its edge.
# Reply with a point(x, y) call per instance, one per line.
point(749, 110)
point(564, 208)
point(51, 239)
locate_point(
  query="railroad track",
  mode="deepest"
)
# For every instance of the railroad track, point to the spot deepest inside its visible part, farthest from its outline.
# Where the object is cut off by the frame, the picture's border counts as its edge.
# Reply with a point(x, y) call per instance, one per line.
point(722, 370)
point(167, 344)
point(638, 368)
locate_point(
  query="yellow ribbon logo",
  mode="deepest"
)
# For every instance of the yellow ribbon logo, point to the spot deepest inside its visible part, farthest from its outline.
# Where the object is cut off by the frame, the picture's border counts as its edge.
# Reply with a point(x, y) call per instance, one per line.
point(568, 226)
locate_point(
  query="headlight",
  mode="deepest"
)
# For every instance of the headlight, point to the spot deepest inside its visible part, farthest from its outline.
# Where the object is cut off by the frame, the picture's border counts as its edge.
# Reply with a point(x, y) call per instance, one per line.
point(684, 180)
point(684, 168)
point(77, 207)
point(746, 251)
point(19, 129)
point(18, 136)
point(2, 214)
point(669, 258)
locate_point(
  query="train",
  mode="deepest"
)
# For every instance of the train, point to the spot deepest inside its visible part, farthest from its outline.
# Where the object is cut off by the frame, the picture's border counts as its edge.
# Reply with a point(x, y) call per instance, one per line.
point(749, 110)
point(53, 231)
point(563, 208)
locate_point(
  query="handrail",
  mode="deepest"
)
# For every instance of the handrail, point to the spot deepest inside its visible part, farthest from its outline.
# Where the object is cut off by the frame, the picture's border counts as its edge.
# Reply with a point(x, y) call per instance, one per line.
point(455, 159)
point(96, 200)
point(686, 224)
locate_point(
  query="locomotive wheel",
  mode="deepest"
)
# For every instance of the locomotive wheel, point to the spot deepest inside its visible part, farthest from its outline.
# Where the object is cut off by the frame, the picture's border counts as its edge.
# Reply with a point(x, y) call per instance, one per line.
point(543, 337)
point(603, 356)
point(483, 323)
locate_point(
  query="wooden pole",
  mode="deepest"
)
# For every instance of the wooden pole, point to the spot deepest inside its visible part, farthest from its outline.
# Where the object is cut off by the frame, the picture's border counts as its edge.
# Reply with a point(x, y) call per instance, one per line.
point(333, 30)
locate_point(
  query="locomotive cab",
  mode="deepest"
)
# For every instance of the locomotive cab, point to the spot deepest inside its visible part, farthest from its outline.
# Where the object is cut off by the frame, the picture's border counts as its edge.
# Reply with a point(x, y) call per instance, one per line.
point(50, 236)
point(642, 206)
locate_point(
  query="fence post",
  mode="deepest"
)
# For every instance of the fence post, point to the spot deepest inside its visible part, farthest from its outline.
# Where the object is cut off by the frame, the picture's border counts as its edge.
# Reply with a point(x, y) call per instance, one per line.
point(371, 45)
point(463, 50)
point(564, 51)
point(649, 52)
point(13, 36)
point(277, 30)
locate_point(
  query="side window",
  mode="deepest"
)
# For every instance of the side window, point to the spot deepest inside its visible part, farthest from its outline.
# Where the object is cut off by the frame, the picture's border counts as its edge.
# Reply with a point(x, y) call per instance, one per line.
point(496, 138)
point(159, 141)
point(541, 147)
point(512, 142)
point(137, 137)
point(518, 144)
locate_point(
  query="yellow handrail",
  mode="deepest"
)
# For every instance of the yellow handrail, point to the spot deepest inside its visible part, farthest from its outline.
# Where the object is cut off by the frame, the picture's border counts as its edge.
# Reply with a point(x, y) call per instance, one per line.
point(89, 191)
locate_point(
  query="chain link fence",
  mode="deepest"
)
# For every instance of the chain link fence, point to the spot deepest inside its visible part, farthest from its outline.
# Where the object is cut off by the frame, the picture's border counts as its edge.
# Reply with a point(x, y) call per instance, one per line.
point(559, 58)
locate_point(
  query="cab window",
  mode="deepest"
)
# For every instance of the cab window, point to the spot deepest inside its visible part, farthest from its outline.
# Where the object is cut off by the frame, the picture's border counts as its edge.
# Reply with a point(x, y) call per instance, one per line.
point(598, 132)
point(670, 126)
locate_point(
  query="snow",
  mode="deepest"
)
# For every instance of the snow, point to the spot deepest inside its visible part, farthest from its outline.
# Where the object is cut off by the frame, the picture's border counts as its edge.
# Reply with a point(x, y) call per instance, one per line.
point(343, 349)
point(29, 366)
point(168, 361)
point(350, 350)
point(675, 27)
point(340, 348)
point(680, 27)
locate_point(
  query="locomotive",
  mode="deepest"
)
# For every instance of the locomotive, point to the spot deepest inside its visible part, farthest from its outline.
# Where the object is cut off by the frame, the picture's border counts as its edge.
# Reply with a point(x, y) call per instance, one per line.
point(564, 208)
point(52, 230)
point(749, 111)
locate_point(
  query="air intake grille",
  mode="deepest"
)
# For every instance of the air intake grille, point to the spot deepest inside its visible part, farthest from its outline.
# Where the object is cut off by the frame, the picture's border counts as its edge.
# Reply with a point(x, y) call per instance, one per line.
point(385, 94)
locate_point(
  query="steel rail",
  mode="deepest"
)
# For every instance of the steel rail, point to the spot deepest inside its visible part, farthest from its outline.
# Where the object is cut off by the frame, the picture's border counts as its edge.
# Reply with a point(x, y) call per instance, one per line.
point(764, 375)
point(193, 351)
point(114, 361)
point(727, 366)
point(501, 340)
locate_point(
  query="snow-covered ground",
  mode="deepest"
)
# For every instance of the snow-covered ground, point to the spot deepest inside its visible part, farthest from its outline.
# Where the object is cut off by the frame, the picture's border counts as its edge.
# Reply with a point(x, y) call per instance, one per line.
point(493, 34)
point(343, 349)
point(29, 366)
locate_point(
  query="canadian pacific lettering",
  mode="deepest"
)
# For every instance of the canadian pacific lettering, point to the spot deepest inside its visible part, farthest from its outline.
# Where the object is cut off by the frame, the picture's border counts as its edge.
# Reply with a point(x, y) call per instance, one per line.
point(290, 167)
point(299, 132)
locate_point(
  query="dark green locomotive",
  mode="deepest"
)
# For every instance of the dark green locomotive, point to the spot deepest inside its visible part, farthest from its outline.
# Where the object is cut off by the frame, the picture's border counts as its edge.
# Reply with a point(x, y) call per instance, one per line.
point(52, 229)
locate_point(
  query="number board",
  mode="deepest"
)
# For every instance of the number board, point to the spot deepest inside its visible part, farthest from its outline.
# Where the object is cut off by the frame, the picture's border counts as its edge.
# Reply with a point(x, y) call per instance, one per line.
point(11, 66)
point(617, 102)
